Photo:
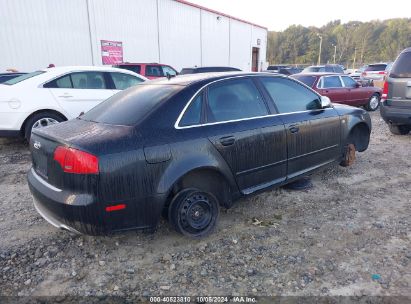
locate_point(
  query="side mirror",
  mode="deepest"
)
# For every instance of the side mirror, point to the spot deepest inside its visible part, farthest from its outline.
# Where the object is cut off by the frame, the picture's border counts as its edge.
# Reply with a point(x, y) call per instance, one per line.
point(325, 102)
point(357, 84)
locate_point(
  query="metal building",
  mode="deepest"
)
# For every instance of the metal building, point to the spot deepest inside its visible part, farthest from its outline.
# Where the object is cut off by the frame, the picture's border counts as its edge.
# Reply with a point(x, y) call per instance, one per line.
point(35, 33)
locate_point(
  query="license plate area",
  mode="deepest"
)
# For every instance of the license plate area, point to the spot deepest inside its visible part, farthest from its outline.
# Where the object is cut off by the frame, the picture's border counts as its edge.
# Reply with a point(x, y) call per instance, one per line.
point(40, 164)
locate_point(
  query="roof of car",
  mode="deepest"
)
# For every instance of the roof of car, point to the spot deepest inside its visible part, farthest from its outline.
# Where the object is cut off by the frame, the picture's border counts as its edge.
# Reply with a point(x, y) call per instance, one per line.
point(63, 69)
point(187, 79)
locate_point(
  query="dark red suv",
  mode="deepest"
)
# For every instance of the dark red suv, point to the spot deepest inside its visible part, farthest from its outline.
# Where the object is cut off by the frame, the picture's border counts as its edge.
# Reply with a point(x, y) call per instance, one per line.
point(149, 70)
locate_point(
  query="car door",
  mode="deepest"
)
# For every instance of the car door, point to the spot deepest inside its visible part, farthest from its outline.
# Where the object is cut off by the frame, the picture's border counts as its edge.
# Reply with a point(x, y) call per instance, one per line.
point(252, 142)
point(313, 133)
point(356, 94)
point(122, 81)
point(78, 92)
point(332, 87)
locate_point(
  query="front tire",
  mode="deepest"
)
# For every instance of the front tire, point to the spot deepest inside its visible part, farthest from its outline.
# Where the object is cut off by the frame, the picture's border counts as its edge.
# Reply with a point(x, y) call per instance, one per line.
point(40, 120)
point(193, 212)
point(400, 129)
point(373, 103)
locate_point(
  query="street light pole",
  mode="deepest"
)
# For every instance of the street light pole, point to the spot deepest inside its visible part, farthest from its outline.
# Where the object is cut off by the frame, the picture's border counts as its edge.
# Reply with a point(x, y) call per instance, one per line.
point(335, 51)
point(319, 54)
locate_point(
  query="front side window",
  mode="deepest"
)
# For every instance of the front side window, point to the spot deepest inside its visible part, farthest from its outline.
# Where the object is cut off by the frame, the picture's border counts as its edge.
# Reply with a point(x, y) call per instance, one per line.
point(192, 116)
point(168, 70)
point(349, 82)
point(290, 96)
point(123, 81)
point(154, 71)
point(331, 82)
point(234, 99)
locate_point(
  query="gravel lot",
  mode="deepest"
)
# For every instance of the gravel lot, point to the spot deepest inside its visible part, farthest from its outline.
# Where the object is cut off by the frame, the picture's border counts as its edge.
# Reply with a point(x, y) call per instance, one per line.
point(348, 235)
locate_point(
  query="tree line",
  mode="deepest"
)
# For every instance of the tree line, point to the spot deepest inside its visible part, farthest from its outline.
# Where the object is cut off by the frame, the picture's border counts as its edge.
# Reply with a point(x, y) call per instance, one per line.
point(353, 43)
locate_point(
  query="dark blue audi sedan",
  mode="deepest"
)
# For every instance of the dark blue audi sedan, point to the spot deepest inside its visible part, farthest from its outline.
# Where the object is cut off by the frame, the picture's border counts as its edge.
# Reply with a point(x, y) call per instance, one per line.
point(184, 147)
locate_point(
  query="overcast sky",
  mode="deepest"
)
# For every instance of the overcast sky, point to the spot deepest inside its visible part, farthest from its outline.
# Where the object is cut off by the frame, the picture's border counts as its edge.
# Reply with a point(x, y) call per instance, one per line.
point(277, 15)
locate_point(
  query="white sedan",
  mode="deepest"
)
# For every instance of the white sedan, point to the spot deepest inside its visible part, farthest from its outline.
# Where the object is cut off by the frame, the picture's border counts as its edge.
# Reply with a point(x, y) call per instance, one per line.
point(56, 94)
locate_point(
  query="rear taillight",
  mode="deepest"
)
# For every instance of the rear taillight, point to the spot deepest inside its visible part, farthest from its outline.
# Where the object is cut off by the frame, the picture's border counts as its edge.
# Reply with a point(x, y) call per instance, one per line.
point(76, 161)
point(384, 91)
point(363, 73)
point(381, 73)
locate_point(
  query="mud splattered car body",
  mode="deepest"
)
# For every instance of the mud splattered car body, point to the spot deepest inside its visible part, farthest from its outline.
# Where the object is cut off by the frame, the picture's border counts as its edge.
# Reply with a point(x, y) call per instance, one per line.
point(184, 147)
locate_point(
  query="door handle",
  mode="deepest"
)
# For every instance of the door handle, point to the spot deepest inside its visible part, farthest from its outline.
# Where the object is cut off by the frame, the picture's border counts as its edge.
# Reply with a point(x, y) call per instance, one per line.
point(294, 128)
point(227, 140)
point(65, 96)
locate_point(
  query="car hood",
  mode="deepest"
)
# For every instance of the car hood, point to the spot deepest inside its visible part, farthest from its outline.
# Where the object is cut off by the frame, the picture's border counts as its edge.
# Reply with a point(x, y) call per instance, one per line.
point(96, 138)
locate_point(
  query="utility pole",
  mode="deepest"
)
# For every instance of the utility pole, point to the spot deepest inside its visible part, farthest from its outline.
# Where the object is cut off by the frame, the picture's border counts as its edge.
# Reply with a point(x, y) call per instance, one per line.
point(335, 51)
point(319, 54)
point(355, 56)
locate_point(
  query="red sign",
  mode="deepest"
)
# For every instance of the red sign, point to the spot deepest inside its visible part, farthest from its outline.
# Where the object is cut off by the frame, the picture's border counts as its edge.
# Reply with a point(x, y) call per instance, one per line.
point(111, 52)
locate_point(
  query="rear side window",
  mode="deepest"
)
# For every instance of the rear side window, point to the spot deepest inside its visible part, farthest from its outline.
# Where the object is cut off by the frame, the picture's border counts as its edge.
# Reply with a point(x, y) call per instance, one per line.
point(290, 96)
point(78, 80)
point(331, 82)
point(376, 67)
point(187, 71)
point(130, 106)
point(307, 80)
point(402, 66)
point(192, 116)
point(154, 71)
point(124, 81)
point(234, 99)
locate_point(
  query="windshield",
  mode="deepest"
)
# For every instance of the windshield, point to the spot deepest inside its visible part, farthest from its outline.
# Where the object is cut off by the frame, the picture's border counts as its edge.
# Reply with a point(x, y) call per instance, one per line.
point(22, 77)
point(132, 105)
point(307, 80)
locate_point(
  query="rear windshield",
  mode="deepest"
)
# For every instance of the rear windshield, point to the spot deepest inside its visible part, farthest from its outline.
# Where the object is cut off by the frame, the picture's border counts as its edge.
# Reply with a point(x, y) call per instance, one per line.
point(187, 71)
point(22, 77)
point(376, 67)
point(307, 80)
point(402, 66)
point(131, 106)
point(133, 68)
point(314, 69)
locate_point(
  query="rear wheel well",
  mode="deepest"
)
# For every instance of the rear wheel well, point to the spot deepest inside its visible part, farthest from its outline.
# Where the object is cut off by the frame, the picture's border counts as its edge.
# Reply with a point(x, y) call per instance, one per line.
point(359, 136)
point(206, 179)
point(23, 126)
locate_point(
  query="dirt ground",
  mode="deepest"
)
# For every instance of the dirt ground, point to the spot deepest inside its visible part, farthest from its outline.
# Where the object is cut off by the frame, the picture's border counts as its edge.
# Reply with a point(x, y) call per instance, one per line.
point(348, 235)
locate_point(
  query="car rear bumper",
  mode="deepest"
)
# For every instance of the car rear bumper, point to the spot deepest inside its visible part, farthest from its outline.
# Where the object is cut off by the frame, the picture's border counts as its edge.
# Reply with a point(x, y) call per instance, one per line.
point(395, 115)
point(85, 214)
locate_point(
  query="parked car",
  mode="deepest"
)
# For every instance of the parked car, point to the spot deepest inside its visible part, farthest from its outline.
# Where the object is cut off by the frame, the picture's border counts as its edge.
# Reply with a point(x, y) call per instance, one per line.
point(49, 96)
point(342, 89)
point(209, 69)
point(396, 97)
point(149, 70)
point(7, 76)
point(225, 136)
point(374, 72)
point(330, 68)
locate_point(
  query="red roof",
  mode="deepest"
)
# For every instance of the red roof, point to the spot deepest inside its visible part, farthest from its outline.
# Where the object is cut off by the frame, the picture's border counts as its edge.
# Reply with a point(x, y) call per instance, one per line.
point(218, 13)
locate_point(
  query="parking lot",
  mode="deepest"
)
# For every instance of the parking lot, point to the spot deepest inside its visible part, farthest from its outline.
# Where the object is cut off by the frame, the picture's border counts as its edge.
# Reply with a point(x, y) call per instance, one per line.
point(348, 235)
